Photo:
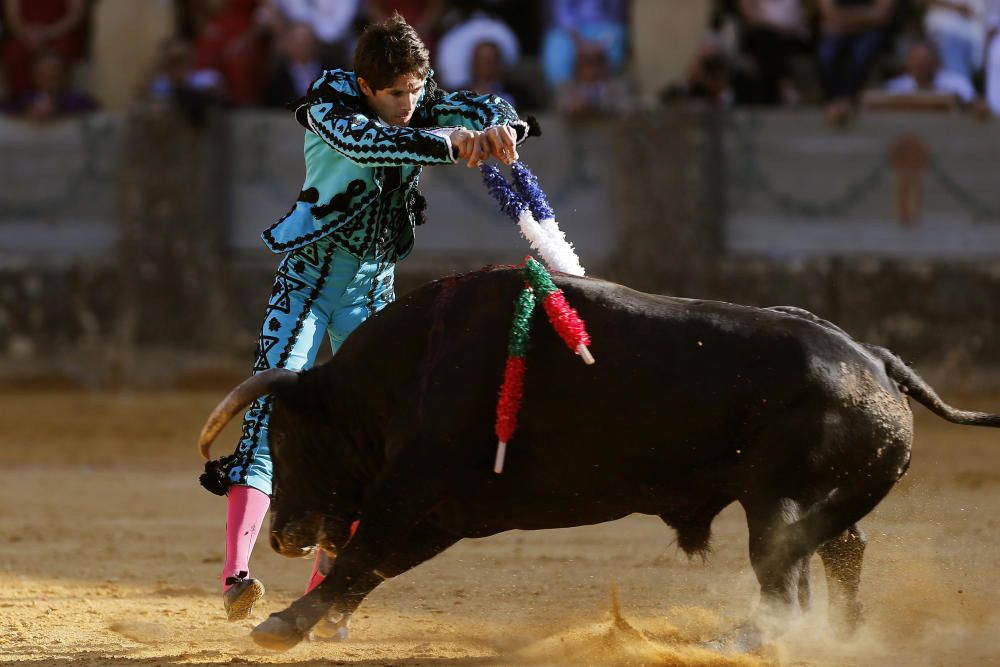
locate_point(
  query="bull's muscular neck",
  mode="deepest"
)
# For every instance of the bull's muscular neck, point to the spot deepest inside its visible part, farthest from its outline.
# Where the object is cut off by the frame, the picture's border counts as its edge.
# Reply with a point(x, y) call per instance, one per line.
point(345, 415)
point(324, 446)
point(361, 392)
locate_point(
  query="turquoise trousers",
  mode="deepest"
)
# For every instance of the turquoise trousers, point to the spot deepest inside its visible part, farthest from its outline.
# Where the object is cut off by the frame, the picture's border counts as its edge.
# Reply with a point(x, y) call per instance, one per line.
point(319, 290)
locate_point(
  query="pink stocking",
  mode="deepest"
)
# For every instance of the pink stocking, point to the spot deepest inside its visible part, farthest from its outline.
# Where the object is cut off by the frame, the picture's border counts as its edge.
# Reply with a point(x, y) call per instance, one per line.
point(321, 567)
point(323, 564)
point(246, 508)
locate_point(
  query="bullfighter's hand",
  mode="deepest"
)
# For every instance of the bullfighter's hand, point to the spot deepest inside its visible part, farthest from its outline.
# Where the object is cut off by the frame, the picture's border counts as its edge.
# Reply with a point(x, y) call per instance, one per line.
point(503, 143)
point(471, 146)
point(483, 149)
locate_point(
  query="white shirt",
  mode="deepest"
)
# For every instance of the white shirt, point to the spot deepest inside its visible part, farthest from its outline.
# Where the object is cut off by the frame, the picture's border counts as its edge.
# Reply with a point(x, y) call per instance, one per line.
point(331, 20)
point(973, 29)
point(787, 14)
point(944, 82)
point(993, 77)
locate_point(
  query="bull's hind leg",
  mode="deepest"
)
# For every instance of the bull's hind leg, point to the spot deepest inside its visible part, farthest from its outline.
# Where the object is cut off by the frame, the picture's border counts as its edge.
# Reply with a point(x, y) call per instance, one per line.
point(784, 535)
point(779, 555)
point(842, 557)
point(805, 588)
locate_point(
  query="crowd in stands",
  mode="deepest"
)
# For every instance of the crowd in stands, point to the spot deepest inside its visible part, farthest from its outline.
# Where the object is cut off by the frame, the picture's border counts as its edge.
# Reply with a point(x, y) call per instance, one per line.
point(568, 55)
point(847, 54)
point(264, 53)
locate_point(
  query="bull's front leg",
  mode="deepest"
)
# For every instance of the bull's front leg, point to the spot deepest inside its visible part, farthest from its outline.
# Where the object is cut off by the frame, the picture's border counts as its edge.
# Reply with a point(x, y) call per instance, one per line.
point(284, 629)
point(425, 542)
point(388, 520)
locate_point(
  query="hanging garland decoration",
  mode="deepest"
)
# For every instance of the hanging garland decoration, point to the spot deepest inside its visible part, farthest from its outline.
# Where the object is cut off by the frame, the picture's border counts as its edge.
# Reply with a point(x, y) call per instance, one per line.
point(547, 239)
point(530, 209)
point(512, 390)
point(563, 318)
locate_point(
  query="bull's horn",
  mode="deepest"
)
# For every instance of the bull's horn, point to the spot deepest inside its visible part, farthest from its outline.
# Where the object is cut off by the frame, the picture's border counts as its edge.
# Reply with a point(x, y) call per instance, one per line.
point(238, 399)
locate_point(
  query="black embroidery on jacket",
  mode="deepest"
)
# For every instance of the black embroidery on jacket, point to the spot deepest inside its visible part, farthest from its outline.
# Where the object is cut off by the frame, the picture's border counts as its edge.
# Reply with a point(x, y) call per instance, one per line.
point(340, 201)
point(348, 125)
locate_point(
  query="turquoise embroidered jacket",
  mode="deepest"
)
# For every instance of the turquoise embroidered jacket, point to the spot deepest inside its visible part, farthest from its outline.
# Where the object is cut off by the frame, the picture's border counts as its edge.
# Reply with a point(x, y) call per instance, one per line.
point(361, 174)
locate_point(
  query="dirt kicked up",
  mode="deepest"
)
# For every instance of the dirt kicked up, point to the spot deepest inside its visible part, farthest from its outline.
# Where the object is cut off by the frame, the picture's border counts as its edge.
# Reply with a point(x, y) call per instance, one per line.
point(110, 554)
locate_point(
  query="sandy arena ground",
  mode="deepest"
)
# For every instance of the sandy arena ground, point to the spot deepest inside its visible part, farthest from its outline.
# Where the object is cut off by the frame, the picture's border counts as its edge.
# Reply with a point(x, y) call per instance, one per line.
point(110, 553)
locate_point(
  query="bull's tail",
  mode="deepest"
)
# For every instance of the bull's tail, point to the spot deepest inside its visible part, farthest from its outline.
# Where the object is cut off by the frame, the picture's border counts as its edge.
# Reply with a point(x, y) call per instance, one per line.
point(918, 389)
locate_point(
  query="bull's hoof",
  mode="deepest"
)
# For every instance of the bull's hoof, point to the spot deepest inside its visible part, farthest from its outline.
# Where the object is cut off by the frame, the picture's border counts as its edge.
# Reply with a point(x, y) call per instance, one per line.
point(847, 620)
point(332, 628)
point(743, 639)
point(276, 634)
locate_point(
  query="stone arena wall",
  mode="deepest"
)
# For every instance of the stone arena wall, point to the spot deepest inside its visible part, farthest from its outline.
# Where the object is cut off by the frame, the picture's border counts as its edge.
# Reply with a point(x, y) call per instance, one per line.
point(129, 251)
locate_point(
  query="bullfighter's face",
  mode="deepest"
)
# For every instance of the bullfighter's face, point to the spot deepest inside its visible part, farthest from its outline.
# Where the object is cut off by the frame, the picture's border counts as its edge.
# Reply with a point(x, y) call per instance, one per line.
point(395, 103)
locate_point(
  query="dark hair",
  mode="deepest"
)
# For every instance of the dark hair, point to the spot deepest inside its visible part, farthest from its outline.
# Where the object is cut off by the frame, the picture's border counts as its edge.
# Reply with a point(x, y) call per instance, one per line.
point(389, 50)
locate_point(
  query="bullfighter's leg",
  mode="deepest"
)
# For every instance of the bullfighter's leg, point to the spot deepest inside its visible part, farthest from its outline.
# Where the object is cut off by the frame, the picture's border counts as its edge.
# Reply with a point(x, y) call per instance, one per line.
point(403, 496)
point(842, 557)
point(307, 287)
point(422, 544)
point(245, 511)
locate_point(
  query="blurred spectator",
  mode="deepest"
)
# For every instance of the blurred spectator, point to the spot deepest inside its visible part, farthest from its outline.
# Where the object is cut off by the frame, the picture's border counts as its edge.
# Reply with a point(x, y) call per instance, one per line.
point(525, 17)
point(991, 66)
point(852, 33)
point(453, 60)
point(423, 15)
point(708, 77)
point(924, 74)
point(958, 29)
point(37, 25)
point(576, 21)
point(231, 40)
point(298, 66)
point(332, 23)
point(773, 31)
point(176, 82)
point(489, 75)
point(593, 90)
point(48, 95)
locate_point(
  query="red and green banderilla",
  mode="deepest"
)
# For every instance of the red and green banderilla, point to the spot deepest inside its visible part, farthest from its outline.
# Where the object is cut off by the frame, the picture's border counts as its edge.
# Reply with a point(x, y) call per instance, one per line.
point(567, 323)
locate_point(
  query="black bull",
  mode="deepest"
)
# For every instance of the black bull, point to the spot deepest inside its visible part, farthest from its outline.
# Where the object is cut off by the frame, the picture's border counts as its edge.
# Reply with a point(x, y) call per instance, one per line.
point(692, 405)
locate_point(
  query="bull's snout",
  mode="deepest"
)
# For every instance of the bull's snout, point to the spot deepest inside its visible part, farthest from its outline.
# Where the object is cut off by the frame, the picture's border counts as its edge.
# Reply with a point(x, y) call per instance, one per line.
point(291, 544)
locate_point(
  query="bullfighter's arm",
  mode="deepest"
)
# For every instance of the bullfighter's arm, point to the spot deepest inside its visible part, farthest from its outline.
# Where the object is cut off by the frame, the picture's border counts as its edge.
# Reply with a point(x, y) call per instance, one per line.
point(501, 129)
point(369, 143)
point(463, 108)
